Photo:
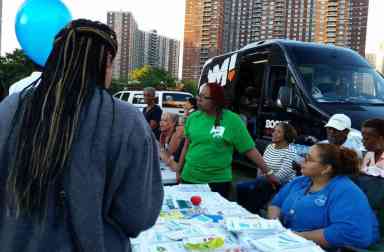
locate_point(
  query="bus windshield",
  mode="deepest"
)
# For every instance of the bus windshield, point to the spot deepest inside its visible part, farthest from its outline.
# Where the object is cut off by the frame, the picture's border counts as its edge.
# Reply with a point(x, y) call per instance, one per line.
point(337, 75)
point(343, 83)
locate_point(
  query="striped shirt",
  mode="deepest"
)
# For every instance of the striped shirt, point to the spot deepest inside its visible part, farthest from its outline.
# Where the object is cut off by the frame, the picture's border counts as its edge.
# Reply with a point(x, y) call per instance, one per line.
point(280, 162)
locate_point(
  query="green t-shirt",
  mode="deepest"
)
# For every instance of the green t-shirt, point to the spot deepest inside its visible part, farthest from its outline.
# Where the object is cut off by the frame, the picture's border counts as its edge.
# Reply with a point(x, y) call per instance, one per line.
point(210, 150)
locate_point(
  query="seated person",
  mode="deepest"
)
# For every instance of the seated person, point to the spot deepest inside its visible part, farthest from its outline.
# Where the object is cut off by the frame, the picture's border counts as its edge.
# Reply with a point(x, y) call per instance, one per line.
point(324, 205)
point(324, 85)
point(340, 133)
point(279, 158)
point(169, 136)
point(172, 160)
point(250, 98)
point(373, 139)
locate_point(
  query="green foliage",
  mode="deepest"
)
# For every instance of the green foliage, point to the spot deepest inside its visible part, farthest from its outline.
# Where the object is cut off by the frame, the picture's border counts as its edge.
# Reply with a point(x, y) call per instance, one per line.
point(13, 67)
point(154, 77)
point(117, 86)
point(190, 86)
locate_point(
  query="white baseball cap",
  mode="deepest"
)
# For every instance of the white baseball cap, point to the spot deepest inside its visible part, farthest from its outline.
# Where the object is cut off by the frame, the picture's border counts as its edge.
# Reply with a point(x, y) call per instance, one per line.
point(339, 122)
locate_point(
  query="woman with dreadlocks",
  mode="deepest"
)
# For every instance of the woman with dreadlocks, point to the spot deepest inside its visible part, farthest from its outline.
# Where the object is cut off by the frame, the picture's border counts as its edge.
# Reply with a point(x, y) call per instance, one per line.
point(212, 134)
point(79, 170)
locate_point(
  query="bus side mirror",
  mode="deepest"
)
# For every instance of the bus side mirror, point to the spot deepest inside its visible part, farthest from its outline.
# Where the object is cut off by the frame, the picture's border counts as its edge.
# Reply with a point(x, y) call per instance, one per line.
point(284, 97)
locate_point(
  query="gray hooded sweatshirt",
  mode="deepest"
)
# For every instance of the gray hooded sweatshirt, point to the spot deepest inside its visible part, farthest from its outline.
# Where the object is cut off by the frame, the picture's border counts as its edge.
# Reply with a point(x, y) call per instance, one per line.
point(112, 186)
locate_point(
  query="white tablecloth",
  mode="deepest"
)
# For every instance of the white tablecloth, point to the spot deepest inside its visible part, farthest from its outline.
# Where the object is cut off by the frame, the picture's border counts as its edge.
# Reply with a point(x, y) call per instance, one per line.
point(181, 223)
point(167, 175)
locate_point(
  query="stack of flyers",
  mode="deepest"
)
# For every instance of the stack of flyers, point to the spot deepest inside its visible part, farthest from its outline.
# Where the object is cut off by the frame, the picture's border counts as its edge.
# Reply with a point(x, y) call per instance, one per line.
point(283, 241)
point(173, 225)
point(255, 224)
point(189, 188)
point(233, 209)
point(191, 231)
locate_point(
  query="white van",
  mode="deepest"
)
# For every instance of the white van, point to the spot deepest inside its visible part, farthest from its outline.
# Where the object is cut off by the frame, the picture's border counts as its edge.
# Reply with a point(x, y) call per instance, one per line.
point(169, 101)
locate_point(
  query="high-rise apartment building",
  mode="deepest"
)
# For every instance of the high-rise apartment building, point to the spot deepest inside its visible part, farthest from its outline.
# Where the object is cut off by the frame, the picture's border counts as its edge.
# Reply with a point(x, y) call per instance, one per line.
point(203, 34)
point(125, 26)
point(1, 20)
point(169, 53)
point(299, 19)
point(339, 22)
point(138, 48)
point(174, 57)
point(151, 48)
point(161, 52)
point(358, 19)
point(273, 19)
point(244, 23)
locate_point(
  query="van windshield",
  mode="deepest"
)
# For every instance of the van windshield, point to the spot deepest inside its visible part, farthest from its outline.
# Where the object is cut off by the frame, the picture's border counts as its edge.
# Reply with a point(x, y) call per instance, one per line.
point(343, 83)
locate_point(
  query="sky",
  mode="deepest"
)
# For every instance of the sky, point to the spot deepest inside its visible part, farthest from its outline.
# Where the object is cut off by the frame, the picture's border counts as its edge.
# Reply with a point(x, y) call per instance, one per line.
point(166, 16)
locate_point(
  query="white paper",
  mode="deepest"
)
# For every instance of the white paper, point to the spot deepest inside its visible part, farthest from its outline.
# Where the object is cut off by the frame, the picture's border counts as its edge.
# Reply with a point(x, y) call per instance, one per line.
point(282, 242)
point(255, 224)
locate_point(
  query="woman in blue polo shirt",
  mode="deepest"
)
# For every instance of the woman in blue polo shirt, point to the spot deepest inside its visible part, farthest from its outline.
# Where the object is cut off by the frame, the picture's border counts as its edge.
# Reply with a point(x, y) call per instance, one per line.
point(324, 205)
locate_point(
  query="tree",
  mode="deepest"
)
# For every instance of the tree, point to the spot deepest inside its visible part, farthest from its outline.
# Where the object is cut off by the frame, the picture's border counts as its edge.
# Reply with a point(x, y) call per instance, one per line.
point(190, 86)
point(154, 77)
point(13, 67)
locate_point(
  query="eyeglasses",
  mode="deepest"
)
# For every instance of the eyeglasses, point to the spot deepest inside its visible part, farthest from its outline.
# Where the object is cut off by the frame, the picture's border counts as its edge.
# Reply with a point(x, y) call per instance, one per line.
point(204, 97)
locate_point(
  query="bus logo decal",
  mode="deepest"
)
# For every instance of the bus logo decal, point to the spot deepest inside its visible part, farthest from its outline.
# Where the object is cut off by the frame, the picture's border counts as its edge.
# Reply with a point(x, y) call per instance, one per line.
point(220, 74)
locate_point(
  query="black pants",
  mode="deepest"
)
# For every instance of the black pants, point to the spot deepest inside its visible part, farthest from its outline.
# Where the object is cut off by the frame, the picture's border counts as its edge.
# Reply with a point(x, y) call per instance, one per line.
point(223, 188)
point(254, 195)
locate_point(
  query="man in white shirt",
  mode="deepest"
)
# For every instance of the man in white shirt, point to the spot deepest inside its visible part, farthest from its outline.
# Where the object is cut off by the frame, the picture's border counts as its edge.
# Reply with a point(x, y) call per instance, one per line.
point(340, 132)
point(23, 83)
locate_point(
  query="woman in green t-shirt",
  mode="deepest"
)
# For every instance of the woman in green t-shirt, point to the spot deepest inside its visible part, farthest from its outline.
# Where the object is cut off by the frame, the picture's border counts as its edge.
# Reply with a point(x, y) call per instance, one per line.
point(212, 135)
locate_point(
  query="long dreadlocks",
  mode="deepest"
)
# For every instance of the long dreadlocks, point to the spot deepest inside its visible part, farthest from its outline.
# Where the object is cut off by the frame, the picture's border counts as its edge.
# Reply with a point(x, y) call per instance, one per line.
point(48, 115)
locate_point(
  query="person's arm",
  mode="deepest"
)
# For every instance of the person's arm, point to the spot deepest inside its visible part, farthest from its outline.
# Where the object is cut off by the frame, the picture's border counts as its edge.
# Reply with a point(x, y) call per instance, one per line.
point(169, 161)
point(244, 144)
point(255, 156)
point(315, 235)
point(274, 209)
point(173, 165)
point(183, 154)
point(353, 223)
point(153, 124)
point(273, 212)
point(174, 143)
point(286, 171)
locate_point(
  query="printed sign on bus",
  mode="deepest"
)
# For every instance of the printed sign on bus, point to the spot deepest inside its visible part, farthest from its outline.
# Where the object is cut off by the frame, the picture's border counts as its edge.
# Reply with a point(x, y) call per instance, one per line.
point(220, 73)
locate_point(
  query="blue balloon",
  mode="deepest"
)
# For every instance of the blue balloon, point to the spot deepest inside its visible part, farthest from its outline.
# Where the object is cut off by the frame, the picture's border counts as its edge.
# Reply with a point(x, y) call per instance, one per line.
point(37, 23)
